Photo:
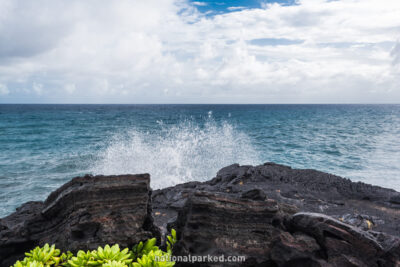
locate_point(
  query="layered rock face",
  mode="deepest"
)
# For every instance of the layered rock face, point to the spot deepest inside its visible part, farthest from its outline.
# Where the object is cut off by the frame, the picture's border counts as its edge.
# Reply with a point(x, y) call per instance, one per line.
point(217, 224)
point(270, 214)
point(221, 216)
point(363, 205)
point(83, 214)
point(268, 233)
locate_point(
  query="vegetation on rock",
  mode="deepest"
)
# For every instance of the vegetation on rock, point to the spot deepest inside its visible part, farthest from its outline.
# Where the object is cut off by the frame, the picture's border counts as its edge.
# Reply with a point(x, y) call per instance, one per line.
point(145, 254)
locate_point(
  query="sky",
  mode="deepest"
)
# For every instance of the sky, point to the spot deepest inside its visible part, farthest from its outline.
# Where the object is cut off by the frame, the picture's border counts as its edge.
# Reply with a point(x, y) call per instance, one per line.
point(179, 51)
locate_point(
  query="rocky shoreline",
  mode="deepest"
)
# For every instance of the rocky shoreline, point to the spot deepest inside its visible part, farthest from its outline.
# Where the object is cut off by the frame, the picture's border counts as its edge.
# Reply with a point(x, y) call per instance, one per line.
point(271, 214)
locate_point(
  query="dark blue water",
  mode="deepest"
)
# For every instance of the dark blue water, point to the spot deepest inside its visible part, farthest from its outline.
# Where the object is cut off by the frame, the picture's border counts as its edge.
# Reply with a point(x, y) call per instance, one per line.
point(43, 146)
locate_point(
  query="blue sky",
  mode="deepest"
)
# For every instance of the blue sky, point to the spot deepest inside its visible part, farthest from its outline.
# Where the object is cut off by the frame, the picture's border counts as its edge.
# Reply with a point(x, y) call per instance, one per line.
point(179, 51)
point(220, 7)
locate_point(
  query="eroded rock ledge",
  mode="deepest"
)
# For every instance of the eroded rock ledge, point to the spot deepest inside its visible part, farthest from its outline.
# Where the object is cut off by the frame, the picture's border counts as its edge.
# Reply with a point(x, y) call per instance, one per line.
point(271, 214)
point(82, 214)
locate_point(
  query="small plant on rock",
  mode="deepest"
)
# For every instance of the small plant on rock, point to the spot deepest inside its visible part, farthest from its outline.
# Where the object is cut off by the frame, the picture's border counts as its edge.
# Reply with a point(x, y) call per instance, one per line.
point(114, 264)
point(143, 248)
point(145, 254)
point(111, 254)
point(28, 264)
point(82, 259)
point(171, 241)
point(46, 256)
point(155, 258)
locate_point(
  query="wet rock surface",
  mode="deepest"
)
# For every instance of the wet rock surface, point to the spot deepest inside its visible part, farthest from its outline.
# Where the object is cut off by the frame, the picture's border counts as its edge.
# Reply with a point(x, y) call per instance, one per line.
point(271, 214)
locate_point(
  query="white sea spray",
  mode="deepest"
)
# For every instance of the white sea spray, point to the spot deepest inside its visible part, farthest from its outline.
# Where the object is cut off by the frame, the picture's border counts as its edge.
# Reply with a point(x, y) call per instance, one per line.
point(183, 152)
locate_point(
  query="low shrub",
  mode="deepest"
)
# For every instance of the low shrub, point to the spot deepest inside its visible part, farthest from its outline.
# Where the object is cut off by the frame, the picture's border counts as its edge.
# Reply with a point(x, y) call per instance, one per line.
point(145, 254)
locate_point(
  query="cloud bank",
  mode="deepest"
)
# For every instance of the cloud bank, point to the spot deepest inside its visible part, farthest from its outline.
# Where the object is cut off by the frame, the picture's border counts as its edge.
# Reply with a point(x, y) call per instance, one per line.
point(165, 51)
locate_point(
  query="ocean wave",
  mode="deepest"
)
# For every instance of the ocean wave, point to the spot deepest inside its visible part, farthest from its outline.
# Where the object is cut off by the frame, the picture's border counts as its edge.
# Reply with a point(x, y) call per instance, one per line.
point(178, 153)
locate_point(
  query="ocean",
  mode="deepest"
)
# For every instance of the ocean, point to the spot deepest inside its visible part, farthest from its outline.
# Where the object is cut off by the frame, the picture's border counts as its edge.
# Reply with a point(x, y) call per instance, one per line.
point(43, 146)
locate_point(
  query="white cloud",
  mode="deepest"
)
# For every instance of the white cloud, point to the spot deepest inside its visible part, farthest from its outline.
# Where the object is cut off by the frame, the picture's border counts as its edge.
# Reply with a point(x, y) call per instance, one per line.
point(4, 90)
point(196, 3)
point(37, 88)
point(166, 51)
point(234, 8)
point(396, 53)
point(70, 88)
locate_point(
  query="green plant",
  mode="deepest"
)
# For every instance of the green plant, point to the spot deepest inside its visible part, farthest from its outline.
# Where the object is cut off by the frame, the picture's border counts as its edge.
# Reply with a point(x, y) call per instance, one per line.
point(149, 255)
point(141, 249)
point(111, 254)
point(155, 258)
point(28, 264)
point(46, 256)
point(101, 256)
point(114, 264)
point(82, 259)
point(65, 257)
point(171, 240)
point(145, 254)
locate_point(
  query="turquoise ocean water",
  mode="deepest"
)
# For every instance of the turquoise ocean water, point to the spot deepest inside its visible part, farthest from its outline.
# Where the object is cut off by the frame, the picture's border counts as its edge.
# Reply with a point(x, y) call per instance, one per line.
point(43, 146)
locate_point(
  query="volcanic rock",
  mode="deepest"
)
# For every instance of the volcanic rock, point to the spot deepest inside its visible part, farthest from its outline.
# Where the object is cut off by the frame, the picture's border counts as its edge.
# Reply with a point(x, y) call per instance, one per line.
point(267, 233)
point(307, 190)
point(85, 213)
point(271, 214)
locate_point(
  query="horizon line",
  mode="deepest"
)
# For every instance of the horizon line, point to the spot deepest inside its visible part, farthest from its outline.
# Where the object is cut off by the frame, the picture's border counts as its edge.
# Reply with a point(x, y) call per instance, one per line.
point(384, 103)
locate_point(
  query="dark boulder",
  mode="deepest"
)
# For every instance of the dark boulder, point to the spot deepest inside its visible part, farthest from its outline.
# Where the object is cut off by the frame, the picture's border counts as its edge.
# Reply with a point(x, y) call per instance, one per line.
point(340, 242)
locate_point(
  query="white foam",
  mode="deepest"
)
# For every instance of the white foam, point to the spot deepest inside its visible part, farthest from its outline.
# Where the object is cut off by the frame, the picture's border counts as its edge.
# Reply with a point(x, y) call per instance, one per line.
point(175, 154)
